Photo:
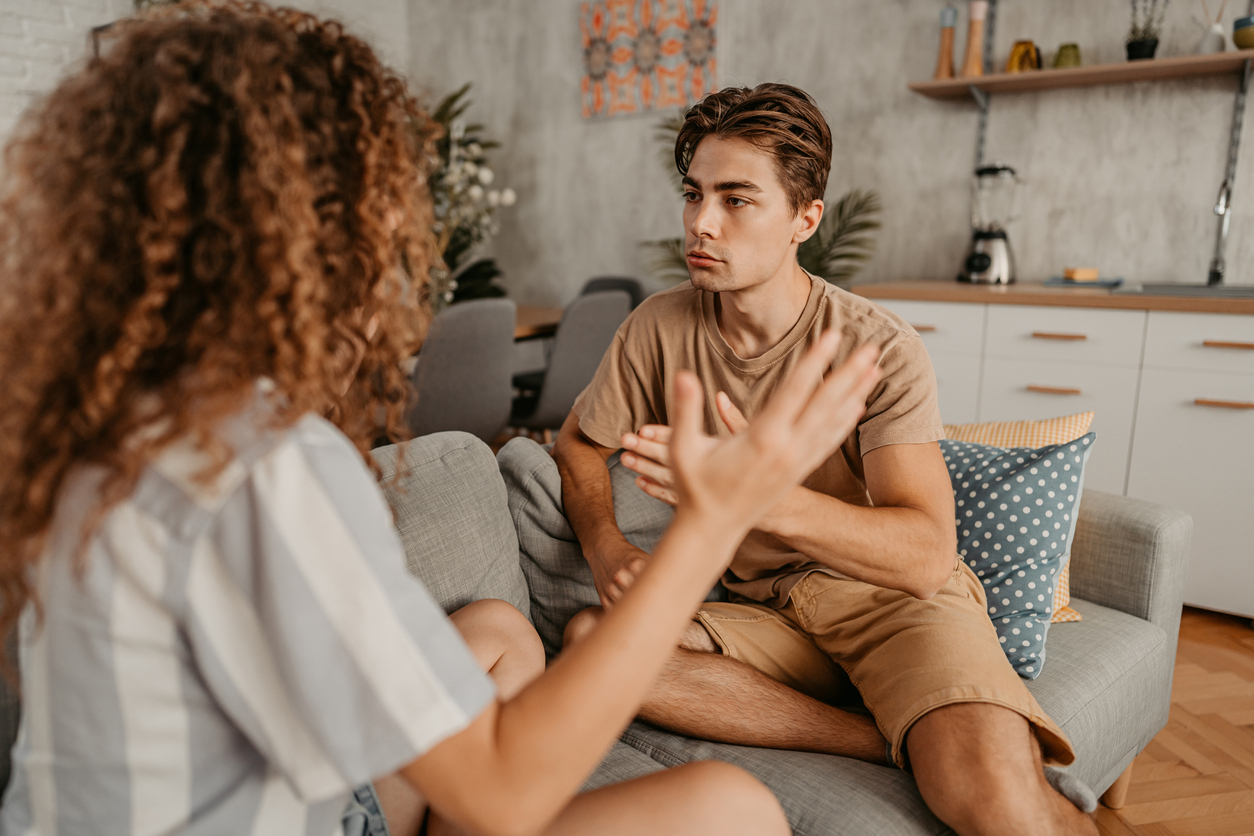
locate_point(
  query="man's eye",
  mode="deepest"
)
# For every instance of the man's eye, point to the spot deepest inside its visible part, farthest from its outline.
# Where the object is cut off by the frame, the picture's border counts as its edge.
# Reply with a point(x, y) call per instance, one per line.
point(737, 202)
point(691, 196)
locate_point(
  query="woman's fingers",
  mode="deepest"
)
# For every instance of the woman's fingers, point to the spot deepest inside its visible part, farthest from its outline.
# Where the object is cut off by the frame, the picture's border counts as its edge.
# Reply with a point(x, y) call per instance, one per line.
point(792, 396)
point(656, 491)
point(686, 433)
point(654, 450)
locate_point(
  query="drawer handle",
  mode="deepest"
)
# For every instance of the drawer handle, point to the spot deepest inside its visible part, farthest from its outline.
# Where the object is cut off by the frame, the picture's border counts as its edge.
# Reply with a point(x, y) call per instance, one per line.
point(1226, 344)
point(1051, 335)
point(927, 329)
point(1224, 404)
point(1054, 390)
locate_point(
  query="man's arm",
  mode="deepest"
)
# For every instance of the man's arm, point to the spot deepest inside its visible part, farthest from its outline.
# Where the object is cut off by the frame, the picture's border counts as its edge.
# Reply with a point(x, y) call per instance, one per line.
point(589, 504)
point(906, 540)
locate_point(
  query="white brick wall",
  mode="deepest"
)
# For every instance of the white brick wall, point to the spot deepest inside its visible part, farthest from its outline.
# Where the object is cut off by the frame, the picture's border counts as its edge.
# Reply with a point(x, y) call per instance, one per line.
point(39, 40)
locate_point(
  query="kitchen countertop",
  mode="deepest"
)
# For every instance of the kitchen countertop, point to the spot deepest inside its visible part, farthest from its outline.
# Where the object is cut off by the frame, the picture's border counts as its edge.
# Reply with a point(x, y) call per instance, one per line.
point(1035, 293)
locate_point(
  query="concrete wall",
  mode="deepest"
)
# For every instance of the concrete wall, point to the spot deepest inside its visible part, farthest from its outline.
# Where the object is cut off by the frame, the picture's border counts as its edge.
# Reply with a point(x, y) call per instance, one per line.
point(1122, 178)
point(42, 39)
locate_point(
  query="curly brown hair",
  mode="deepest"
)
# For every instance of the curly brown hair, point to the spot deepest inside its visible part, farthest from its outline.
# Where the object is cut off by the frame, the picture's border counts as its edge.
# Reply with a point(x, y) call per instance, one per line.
point(226, 192)
point(778, 118)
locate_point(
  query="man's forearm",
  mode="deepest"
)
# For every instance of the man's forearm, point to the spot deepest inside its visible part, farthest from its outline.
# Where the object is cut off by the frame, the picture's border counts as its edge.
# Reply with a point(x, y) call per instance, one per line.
point(895, 547)
point(587, 496)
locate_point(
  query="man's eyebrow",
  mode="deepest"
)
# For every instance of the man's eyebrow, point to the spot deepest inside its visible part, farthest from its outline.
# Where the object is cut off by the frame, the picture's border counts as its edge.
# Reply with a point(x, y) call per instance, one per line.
point(726, 185)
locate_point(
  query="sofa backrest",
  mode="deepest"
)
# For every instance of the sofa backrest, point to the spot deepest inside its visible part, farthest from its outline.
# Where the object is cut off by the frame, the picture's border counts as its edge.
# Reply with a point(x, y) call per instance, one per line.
point(454, 520)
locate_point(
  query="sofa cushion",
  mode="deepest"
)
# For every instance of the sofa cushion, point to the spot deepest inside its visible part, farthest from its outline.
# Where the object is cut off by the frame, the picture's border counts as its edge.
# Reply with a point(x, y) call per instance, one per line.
point(454, 521)
point(1108, 684)
point(559, 577)
point(1016, 512)
point(1032, 434)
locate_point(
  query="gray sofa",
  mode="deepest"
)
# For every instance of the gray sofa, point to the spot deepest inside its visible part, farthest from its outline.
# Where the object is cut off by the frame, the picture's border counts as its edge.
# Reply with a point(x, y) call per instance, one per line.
point(478, 527)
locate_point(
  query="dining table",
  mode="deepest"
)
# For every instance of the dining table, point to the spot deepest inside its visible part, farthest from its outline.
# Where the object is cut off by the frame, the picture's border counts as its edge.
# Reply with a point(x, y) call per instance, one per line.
point(533, 322)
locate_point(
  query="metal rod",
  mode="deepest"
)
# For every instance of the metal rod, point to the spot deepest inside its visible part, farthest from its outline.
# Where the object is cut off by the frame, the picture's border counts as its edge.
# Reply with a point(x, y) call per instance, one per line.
point(982, 100)
point(1223, 204)
point(990, 24)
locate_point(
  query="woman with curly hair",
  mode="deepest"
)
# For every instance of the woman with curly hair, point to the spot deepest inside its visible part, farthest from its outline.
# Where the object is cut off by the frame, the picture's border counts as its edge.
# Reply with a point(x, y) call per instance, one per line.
point(201, 321)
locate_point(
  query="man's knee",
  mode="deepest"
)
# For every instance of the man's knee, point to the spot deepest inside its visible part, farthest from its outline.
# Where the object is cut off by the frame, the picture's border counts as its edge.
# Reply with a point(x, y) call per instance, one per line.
point(581, 625)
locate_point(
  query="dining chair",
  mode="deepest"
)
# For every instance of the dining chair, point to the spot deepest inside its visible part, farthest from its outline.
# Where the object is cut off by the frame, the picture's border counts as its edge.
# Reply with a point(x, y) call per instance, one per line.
point(462, 378)
point(585, 332)
point(632, 286)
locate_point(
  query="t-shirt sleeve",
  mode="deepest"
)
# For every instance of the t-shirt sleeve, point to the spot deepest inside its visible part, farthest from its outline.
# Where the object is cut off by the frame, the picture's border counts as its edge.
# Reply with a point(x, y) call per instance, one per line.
point(623, 395)
point(334, 662)
point(903, 408)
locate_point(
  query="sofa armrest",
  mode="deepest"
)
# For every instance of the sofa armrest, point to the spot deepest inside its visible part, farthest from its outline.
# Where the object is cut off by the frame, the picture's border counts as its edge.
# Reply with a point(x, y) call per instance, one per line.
point(1131, 555)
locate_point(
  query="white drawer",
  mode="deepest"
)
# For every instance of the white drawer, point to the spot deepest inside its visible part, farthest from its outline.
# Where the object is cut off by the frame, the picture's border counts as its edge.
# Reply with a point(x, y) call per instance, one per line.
point(957, 386)
point(1205, 342)
point(1072, 335)
point(946, 327)
point(1201, 460)
point(1015, 390)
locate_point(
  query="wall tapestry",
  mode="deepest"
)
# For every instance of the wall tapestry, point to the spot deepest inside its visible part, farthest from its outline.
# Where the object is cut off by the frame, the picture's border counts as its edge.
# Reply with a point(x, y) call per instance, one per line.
point(642, 55)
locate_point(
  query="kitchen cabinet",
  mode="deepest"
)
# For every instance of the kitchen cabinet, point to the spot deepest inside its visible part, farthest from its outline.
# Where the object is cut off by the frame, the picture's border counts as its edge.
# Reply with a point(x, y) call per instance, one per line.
point(1172, 392)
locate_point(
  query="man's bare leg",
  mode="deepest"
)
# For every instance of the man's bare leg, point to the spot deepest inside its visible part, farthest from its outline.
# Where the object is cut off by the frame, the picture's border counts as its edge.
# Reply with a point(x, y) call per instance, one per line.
point(507, 647)
point(704, 694)
point(978, 767)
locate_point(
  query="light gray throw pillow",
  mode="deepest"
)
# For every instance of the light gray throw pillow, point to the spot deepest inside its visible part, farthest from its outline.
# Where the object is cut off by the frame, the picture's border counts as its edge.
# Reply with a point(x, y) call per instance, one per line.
point(559, 577)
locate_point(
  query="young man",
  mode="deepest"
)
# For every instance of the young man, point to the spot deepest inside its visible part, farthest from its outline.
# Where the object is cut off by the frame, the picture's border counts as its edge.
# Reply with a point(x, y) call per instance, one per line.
point(201, 230)
point(854, 575)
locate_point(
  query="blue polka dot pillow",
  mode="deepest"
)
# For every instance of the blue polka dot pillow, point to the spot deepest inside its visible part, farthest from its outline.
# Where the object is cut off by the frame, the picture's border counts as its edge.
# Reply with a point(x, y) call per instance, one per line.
point(1016, 512)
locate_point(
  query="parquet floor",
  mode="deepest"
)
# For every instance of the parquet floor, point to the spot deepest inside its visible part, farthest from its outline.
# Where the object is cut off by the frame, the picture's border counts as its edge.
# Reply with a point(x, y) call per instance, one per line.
point(1196, 778)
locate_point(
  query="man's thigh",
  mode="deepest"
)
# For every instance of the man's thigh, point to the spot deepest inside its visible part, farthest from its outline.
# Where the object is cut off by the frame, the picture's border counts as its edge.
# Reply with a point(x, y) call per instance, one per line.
point(769, 641)
point(908, 656)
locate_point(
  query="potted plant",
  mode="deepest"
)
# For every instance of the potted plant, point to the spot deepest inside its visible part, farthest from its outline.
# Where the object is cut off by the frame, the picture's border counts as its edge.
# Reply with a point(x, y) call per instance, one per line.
point(1147, 25)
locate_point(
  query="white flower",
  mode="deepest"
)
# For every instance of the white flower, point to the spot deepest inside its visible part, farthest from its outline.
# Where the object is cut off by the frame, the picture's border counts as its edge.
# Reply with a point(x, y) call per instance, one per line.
point(486, 175)
point(452, 284)
point(475, 192)
point(508, 197)
point(494, 197)
point(469, 167)
point(474, 149)
point(448, 296)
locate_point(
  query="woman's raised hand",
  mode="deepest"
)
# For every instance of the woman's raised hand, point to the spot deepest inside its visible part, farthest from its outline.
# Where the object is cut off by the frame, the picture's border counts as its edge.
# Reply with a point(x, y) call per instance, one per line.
point(736, 480)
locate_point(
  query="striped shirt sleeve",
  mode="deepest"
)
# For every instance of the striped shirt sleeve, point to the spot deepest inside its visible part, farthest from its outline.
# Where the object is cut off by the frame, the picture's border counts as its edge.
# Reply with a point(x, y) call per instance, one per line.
point(334, 661)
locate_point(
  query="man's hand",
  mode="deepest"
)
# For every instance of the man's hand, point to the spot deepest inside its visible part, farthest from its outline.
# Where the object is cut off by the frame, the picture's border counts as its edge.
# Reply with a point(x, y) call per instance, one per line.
point(615, 570)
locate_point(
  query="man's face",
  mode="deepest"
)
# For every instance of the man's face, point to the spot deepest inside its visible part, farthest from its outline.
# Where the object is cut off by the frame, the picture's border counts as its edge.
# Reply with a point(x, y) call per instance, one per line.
point(739, 228)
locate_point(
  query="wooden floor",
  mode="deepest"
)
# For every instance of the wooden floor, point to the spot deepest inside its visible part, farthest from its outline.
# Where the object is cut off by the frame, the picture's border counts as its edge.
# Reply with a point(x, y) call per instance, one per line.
point(1196, 778)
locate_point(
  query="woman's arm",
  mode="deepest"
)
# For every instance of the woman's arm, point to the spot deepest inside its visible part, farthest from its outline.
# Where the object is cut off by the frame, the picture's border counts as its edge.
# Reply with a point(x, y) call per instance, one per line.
point(520, 762)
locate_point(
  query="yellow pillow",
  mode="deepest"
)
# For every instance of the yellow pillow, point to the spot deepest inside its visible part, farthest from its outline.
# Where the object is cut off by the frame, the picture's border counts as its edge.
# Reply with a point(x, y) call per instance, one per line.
point(1032, 434)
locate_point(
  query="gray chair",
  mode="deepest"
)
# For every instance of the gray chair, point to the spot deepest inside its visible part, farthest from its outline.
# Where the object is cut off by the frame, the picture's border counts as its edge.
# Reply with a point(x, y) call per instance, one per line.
point(632, 286)
point(585, 332)
point(462, 380)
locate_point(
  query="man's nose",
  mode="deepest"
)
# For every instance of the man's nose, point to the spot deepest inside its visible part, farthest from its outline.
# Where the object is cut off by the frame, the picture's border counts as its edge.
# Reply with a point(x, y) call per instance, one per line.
point(705, 220)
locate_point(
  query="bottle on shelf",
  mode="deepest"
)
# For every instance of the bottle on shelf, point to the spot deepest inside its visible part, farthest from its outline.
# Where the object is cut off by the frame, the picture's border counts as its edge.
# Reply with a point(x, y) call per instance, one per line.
point(945, 60)
point(973, 64)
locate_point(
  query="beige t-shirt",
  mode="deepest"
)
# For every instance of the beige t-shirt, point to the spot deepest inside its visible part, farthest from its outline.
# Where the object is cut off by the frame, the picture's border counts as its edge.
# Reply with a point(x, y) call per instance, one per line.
point(677, 329)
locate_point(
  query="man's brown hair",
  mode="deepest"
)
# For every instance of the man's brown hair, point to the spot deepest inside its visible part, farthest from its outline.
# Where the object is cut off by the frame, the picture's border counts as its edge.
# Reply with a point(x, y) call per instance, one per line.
point(779, 119)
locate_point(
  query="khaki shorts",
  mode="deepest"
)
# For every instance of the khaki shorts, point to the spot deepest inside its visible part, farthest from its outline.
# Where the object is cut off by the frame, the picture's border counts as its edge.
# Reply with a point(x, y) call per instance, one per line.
point(904, 656)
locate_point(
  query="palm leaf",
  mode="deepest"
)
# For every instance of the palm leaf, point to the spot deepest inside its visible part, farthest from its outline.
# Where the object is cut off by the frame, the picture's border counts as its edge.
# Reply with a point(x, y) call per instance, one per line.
point(667, 131)
point(843, 242)
point(669, 261)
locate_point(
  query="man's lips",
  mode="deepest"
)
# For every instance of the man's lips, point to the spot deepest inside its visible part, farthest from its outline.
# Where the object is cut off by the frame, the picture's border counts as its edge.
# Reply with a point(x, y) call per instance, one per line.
point(701, 259)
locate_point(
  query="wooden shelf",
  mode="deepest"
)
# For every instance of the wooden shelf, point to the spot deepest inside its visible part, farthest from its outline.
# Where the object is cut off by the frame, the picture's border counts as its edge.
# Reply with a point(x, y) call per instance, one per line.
point(1156, 69)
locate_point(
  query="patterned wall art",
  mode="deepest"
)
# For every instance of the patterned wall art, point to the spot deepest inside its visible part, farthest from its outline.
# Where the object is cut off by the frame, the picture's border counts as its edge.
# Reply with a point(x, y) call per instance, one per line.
point(645, 55)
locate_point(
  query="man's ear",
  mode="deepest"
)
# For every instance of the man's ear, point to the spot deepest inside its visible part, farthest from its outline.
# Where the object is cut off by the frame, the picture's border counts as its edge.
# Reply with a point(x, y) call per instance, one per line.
point(808, 222)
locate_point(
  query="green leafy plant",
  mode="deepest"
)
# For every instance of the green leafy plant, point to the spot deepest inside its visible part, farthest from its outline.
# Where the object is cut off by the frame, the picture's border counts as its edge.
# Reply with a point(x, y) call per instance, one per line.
point(464, 205)
point(837, 251)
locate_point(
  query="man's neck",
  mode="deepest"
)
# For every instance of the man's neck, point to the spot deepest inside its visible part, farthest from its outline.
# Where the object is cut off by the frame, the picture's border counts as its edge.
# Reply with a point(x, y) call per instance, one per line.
point(755, 320)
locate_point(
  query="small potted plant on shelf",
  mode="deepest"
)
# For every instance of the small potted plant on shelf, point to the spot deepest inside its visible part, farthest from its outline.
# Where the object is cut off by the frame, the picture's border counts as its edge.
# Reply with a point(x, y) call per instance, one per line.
point(1147, 25)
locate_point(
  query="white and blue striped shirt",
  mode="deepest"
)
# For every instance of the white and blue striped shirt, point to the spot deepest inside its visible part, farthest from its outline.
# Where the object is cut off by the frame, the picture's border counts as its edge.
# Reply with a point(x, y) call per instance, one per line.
point(237, 656)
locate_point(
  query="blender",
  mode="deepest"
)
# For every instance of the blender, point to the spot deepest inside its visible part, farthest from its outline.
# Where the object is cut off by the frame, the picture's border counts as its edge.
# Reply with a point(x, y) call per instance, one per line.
point(989, 259)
